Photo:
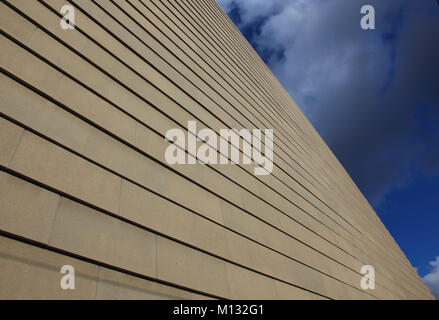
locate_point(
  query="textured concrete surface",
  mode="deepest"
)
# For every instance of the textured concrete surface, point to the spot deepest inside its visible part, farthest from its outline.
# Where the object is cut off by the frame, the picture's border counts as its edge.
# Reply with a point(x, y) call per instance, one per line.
point(84, 180)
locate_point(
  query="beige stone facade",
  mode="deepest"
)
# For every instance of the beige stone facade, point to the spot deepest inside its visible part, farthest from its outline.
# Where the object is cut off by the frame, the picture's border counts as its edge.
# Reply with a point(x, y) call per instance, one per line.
point(84, 181)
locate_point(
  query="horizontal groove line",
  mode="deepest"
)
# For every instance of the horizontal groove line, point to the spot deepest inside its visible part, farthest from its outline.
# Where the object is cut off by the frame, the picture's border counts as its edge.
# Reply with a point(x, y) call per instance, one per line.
point(47, 247)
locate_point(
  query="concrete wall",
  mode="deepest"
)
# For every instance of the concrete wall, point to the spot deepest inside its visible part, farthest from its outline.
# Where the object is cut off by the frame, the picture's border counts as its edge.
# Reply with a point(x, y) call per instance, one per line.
point(84, 181)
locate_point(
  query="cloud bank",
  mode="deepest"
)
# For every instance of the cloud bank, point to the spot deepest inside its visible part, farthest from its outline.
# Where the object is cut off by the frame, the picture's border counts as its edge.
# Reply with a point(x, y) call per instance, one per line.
point(432, 279)
point(372, 95)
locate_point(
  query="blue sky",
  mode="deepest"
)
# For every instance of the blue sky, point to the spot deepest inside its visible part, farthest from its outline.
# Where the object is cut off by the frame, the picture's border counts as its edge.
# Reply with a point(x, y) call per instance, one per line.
point(373, 95)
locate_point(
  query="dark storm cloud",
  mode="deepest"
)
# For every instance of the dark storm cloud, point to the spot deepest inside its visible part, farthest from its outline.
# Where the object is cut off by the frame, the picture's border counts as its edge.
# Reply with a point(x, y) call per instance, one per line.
point(372, 94)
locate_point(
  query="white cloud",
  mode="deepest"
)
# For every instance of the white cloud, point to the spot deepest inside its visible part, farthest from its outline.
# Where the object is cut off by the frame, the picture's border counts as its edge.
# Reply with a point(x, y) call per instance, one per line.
point(225, 4)
point(250, 10)
point(432, 279)
point(360, 89)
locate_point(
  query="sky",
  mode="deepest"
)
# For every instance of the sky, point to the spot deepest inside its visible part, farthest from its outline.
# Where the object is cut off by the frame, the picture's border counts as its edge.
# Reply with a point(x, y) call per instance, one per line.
point(373, 95)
